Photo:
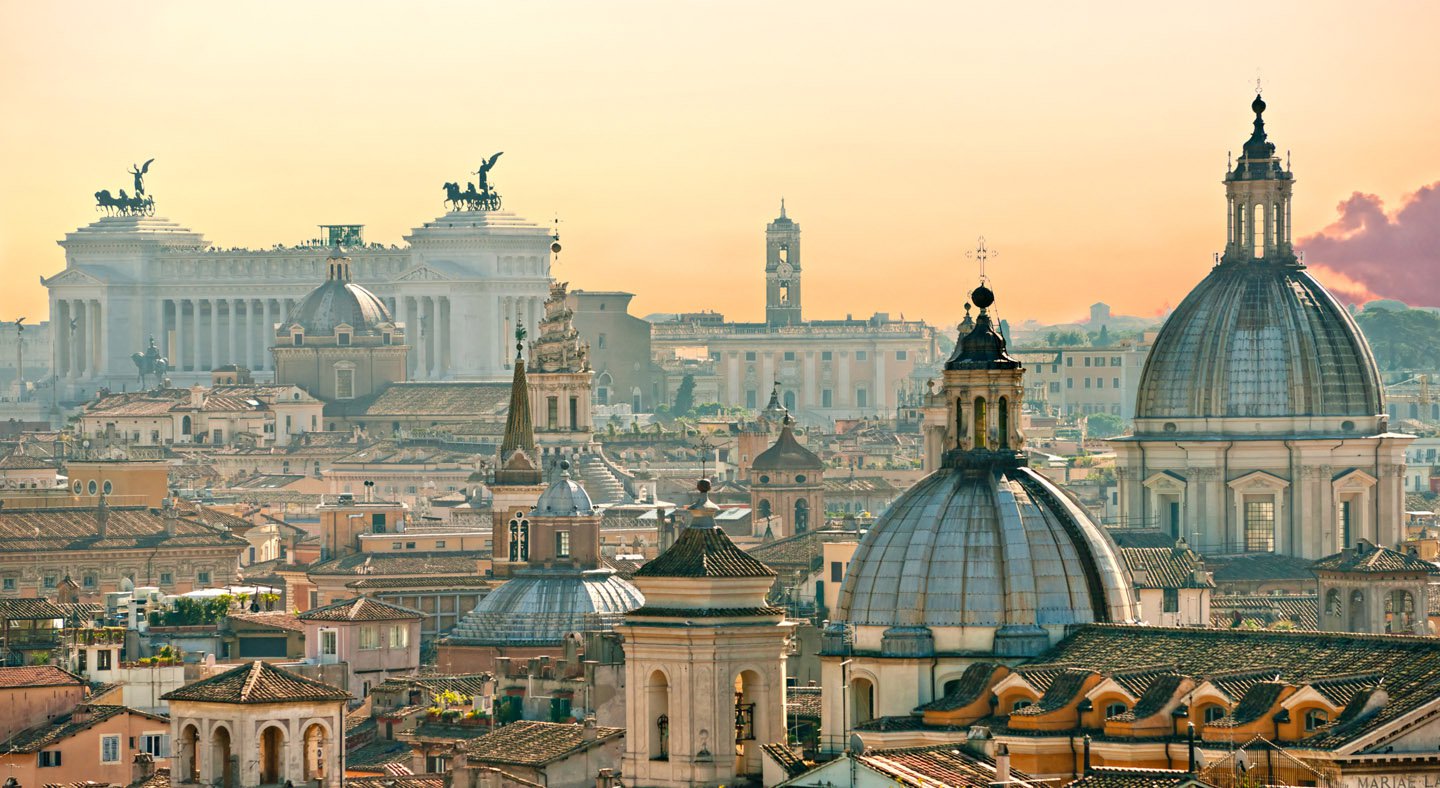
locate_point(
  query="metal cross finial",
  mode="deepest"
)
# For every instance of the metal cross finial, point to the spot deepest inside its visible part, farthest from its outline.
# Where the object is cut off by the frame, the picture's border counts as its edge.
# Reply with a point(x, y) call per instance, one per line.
point(981, 253)
point(1257, 81)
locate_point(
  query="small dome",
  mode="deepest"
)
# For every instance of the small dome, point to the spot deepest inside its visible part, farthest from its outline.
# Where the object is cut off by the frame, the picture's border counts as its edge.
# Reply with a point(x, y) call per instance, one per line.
point(1000, 549)
point(563, 498)
point(1257, 339)
point(541, 607)
point(336, 302)
point(787, 454)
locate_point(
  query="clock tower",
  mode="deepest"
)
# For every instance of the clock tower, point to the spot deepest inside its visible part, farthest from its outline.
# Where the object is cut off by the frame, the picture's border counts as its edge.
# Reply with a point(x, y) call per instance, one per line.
point(782, 271)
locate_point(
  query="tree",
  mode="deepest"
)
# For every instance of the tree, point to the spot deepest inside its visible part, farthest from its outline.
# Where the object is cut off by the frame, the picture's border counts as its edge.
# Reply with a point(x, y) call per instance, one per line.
point(1103, 425)
point(1066, 338)
point(685, 396)
point(1403, 339)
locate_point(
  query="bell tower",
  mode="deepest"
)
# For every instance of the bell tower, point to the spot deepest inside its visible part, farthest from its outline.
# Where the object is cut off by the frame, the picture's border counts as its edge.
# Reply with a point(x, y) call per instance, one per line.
point(1257, 194)
point(782, 271)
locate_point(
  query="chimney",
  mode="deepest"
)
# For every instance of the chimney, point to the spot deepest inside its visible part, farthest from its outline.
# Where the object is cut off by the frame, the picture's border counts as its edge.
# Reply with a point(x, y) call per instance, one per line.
point(1190, 735)
point(102, 515)
point(588, 730)
point(605, 778)
point(197, 397)
point(142, 768)
point(1002, 765)
point(1088, 768)
point(169, 516)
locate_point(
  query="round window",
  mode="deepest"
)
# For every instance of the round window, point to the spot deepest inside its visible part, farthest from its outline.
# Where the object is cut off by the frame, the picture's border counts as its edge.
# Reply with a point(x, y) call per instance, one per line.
point(764, 479)
point(91, 487)
point(107, 487)
point(1170, 426)
point(77, 486)
point(799, 478)
point(1347, 425)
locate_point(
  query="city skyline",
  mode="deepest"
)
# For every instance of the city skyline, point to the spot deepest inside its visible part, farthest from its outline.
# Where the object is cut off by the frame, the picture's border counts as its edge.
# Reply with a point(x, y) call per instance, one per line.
point(664, 163)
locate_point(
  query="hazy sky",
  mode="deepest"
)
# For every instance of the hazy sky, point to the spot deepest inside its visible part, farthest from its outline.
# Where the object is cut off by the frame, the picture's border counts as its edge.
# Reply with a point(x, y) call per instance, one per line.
point(1086, 141)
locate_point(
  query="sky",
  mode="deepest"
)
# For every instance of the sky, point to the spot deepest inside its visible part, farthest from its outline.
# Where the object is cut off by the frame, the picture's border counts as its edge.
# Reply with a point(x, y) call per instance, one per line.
point(1085, 141)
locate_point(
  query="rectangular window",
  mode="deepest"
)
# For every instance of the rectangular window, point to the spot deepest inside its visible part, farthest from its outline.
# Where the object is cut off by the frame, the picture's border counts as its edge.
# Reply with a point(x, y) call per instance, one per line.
point(409, 545)
point(1087, 383)
point(1087, 361)
point(1099, 383)
point(901, 355)
point(166, 578)
point(102, 659)
point(1069, 383)
point(860, 397)
point(329, 642)
point(574, 413)
point(342, 339)
point(1345, 524)
point(50, 758)
point(837, 571)
point(1172, 600)
point(203, 578)
point(369, 638)
point(397, 545)
point(1114, 361)
point(789, 355)
point(377, 522)
point(749, 355)
point(562, 544)
point(1115, 383)
point(439, 544)
point(9, 584)
point(1054, 387)
point(156, 744)
point(826, 398)
point(552, 412)
point(1069, 361)
point(827, 355)
point(750, 398)
point(400, 636)
point(600, 342)
point(109, 749)
point(1259, 526)
point(344, 384)
point(50, 581)
point(860, 355)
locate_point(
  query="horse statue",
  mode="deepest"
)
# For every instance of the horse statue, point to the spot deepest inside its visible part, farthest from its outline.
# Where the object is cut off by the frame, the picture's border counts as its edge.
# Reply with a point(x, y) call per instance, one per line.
point(124, 205)
point(150, 363)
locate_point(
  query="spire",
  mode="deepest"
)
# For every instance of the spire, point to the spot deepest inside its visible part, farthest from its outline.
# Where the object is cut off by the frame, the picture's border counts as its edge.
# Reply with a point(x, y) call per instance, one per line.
point(1257, 156)
point(519, 430)
point(782, 209)
point(983, 347)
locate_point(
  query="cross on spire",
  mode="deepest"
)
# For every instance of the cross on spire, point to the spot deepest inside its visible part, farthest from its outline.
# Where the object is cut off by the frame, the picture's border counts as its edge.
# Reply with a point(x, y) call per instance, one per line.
point(981, 253)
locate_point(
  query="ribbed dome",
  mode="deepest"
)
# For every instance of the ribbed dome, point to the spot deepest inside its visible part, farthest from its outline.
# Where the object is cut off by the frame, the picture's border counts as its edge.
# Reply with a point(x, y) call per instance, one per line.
point(336, 302)
point(997, 548)
point(540, 607)
point(1259, 339)
point(786, 454)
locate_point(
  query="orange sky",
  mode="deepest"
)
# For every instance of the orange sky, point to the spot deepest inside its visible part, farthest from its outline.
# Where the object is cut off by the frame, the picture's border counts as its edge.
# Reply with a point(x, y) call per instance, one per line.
point(1086, 142)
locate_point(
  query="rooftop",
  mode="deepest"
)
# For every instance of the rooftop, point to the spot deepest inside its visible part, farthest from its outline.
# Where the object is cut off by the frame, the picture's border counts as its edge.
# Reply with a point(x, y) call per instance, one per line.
point(257, 682)
point(531, 743)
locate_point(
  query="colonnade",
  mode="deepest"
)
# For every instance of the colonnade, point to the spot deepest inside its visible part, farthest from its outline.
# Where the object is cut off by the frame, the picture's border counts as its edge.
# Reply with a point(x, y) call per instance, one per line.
point(200, 334)
point(79, 338)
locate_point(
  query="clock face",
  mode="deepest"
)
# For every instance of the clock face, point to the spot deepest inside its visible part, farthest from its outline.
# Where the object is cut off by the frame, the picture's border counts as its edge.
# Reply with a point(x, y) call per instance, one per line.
point(785, 269)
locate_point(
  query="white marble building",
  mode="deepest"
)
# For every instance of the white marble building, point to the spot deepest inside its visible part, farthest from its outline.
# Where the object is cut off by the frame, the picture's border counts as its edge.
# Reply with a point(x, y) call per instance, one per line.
point(461, 285)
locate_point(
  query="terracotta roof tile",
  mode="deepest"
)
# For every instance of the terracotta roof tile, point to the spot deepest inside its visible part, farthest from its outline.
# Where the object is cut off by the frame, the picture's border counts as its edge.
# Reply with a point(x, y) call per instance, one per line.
point(1165, 567)
point(37, 676)
point(704, 552)
point(1370, 559)
point(28, 609)
point(257, 682)
point(531, 743)
point(1109, 777)
point(945, 765)
point(360, 609)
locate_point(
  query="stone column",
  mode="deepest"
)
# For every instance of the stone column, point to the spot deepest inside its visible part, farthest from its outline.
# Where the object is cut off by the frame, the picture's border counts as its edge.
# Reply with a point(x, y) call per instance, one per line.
point(232, 320)
point(214, 333)
point(247, 330)
point(98, 338)
point(422, 339)
point(60, 342)
point(158, 329)
point(444, 314)
point(196, 338)
point(177, 347)
point(267, 334)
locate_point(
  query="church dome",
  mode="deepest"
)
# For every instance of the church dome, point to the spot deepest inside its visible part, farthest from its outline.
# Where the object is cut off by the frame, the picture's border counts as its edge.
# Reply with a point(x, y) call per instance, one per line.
point(787, 454)
point(339, 301)
point(1259, 339)
point(994, 549)
point(540, 607)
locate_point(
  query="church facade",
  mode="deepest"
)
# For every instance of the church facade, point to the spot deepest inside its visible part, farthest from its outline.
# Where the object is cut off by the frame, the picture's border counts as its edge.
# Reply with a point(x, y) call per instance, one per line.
point(460, 286)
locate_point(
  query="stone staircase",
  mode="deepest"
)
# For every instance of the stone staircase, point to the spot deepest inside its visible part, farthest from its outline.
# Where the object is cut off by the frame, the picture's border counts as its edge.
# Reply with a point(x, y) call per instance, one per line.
point(600, 483)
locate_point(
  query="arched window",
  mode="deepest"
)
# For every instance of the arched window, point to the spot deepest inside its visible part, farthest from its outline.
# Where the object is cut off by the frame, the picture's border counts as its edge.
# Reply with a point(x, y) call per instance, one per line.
point(519, 539)
point(1213, 713)
point(657, 692)
point(1004, 418)
point(959, 423)
point(802, 516)
point(184, 425)
point(1257, 229)
point(763, 508)
point(1356, 622)
point(1277, 226)
point(1115, 709)
point(1315, 719)
point(1020, 704)
point(950, 686)
point(1400, 613)
point(1333, 605)
point(862, 701)
point(980, 432)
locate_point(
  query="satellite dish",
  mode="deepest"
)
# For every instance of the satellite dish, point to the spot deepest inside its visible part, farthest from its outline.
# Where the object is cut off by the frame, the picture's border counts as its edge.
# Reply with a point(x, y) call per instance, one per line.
point(857, 744)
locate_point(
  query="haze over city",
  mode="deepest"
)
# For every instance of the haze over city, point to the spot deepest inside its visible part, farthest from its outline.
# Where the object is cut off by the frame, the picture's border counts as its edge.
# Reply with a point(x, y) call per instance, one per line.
point(1086, 143)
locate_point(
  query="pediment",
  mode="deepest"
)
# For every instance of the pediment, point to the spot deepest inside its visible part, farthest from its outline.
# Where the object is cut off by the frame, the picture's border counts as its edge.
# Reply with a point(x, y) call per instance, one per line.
point(71, 277)
point(1165, 480)
point(422, 273)
point(1258, 480)
point(1353, 479)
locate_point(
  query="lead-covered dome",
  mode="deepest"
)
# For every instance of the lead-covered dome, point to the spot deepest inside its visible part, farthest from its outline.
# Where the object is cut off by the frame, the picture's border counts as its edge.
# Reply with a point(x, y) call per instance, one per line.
point(996, 550)
point(1259, 339)
point(540, 607)
point(338, 301)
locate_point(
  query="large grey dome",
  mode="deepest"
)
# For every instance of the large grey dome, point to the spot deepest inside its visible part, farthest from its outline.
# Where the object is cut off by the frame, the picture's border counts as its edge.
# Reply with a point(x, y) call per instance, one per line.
point(1259, 339)
point(336, 302)
point(540, 607)
point(998, 549)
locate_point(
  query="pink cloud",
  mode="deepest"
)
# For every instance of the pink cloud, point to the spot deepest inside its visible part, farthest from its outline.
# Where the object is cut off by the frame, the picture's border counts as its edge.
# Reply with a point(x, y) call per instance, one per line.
point(1380, 255)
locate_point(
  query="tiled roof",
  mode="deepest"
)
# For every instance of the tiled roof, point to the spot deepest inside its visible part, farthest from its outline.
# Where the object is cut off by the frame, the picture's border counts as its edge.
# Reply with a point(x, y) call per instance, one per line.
point(1111, 777)
point(373, 757)
point(379, 583)
point(704, 552)
point(859, 484)
point(66, 725)
point(1063, 689)
point(786, 455)
point(452, 400)
point(1370, 559)
point(256, 682)
point(968, 688)
point(945, 765)
point(467, 684)
point(792, 764)
point(1265, 610)
point(1340, 690)
point(800, 551)
point(28, 609)
point(1138, 679)
point(1165, 567)
point(1411, 665)
point(1254, 704)
point(398, 781)
point(1259, 568)
point(272, 618)
point(531, 743)
point(361, 609)
point(1160, 692)
point(126, 528)
point(802, 702)
point(37, 676)
point(24, 462)
point(419, 563)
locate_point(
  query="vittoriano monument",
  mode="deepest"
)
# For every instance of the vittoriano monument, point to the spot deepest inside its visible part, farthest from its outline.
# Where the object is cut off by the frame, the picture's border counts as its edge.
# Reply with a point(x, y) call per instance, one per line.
point(140, 204)
point(472, 199)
